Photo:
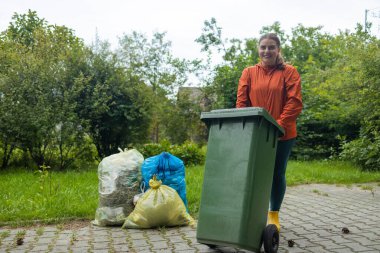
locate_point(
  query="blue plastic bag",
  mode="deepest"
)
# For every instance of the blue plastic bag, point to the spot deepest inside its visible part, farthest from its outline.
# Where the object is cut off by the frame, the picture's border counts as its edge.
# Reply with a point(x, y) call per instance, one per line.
point(169, 169)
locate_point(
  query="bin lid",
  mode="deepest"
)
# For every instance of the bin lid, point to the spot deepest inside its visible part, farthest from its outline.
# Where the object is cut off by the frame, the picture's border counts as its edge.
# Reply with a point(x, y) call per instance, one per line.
point(239, 113)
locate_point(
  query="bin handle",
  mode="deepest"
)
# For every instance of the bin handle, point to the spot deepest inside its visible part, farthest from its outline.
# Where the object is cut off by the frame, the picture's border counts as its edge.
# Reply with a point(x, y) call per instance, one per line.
point(275, 137)
point(220, 124)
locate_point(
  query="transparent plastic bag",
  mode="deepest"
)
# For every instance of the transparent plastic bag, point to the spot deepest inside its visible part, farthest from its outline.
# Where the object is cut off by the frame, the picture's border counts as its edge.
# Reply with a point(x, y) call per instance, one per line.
point(138, 196)
point(159, 206)
point(119, 179)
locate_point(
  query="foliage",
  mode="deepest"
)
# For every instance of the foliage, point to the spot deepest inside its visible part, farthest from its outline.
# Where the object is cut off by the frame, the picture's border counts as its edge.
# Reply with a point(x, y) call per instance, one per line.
point(365, 151)
point(211, 36)
point(189, 152)
point(181, 121)
point(75, 157)
point(59, 99)
point(331, 84)
point(153, 149)
point(113, 102)
point(65, 95)
point(36, 83)
point(154, 63)
point(339, 81)
point(310, 44)
point(236, 55)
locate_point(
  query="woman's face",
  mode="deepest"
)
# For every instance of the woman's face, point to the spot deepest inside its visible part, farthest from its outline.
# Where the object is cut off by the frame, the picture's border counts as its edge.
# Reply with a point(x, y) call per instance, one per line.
point(268, 52)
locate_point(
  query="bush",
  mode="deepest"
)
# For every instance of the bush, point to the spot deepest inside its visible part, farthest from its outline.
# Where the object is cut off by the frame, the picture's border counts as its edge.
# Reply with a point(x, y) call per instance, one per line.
point(21, 159)
point(152, 149)
point(74, 157)
point(364, 152)
point(321, 139)
point(188, 152)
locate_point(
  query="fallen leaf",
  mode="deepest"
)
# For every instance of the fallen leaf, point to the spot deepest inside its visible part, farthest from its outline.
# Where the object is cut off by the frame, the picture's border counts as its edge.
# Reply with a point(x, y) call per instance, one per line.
point(20, 241)
point(291, 243)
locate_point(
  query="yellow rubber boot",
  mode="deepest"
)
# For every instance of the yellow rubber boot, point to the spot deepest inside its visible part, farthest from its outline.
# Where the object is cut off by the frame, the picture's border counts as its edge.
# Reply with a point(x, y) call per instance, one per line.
point(273, 219)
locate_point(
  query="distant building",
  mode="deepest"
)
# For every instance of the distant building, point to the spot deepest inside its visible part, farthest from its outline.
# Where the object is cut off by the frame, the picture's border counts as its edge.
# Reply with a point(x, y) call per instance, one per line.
point(197, 130)
point(197, 96)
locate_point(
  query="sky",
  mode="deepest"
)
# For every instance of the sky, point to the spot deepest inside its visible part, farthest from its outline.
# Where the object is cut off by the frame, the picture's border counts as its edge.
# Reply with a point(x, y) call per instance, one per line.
point(183, 20)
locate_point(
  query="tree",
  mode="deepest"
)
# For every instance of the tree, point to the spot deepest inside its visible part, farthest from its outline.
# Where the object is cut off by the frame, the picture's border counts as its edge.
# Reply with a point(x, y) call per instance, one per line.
point(66, 95)
point(22, 87)
point(9, 107)
point(236, 56)
point(365, 150)
point(37, 89)
point(153, 62)
point(331, 88)
point(114, 101)
point(181, 121)
point(332, 72)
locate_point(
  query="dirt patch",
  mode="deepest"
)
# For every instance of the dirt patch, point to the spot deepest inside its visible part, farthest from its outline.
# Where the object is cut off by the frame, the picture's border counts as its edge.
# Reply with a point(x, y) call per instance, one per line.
point(71, 224)
point(75, 224)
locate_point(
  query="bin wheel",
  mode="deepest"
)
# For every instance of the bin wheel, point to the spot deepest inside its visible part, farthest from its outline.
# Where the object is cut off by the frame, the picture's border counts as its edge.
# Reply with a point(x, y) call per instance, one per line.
point(271, 239)
point(211, 246)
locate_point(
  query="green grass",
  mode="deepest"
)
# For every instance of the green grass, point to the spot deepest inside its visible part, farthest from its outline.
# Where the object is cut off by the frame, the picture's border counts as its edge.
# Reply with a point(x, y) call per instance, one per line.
point(194, 181)
point(27, 197)
point(327, 172)
point(60, 196)
point(4, 234)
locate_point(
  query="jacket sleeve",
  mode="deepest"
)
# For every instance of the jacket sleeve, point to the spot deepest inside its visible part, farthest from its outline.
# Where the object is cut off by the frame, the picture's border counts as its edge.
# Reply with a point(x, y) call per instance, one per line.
point(293, 103)
point(242, 91)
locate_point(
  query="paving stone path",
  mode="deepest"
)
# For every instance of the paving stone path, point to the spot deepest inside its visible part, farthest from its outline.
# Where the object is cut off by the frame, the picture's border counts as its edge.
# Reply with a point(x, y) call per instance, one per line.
point(312, 216)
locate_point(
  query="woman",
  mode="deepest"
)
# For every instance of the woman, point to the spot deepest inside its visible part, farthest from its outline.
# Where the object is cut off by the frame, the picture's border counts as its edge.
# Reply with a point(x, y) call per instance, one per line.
point(275, 86)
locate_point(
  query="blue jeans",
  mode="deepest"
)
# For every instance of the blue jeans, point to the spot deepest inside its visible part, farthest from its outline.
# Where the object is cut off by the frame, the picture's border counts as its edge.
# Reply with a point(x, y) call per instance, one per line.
point(279, 181)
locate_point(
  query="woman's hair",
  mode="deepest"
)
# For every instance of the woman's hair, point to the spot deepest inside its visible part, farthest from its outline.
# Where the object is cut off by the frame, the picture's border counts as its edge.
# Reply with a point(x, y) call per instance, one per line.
point(280, 63)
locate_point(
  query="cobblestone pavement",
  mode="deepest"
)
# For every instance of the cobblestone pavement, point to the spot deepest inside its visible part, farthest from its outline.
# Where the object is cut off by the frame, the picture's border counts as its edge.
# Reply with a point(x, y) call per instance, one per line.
point(312, 216)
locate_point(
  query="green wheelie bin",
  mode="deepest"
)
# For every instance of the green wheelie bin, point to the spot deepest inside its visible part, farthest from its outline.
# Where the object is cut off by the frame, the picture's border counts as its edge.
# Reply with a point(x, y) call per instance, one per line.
point(237, 182)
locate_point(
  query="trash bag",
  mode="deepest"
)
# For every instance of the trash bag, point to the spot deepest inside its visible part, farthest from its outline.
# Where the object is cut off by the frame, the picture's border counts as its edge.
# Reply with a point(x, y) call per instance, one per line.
point(169, 169)
point(119, 179)
point(158, 206)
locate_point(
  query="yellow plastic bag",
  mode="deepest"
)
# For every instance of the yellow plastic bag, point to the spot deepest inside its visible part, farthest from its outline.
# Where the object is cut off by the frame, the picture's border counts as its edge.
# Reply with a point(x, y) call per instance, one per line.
point(159, 206)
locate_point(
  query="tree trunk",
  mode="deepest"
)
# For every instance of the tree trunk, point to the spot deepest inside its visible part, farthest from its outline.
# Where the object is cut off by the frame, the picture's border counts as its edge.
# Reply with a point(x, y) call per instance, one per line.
point(7, 154)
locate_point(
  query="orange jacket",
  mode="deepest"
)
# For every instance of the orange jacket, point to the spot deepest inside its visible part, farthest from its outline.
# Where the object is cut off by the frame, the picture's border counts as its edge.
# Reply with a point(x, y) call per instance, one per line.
point(277, 91)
